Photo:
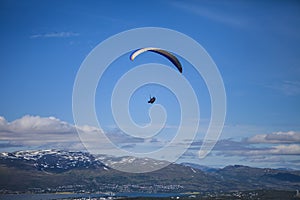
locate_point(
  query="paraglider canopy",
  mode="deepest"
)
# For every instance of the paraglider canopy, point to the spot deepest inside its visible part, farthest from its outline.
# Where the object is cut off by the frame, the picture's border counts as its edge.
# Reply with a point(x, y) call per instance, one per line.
point(162, 52)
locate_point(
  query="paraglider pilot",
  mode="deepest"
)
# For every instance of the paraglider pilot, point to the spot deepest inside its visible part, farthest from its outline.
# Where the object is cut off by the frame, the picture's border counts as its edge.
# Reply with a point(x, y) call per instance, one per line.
point(152, 100)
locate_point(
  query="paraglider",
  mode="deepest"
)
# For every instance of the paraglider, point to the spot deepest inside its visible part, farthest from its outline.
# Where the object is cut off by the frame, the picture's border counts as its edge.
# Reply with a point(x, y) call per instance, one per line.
point(162, 52)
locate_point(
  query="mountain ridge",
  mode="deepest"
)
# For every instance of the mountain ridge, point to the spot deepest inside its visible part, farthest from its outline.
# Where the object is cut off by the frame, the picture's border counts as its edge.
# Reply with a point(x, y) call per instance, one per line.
point(58, 170)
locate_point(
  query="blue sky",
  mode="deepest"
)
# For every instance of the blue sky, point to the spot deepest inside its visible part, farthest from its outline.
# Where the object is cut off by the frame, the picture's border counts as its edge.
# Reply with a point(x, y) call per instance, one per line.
point(255, 44)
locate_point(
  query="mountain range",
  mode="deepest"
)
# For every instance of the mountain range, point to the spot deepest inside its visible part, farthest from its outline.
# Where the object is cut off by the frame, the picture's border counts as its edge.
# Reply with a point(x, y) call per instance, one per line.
point(65, 171)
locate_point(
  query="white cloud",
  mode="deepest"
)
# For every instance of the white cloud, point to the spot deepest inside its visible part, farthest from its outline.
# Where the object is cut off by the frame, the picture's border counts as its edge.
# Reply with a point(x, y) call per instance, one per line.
point(292, 149)
point(209, 12)
point(50, 132)
point(276, 137)
point(36, 124)
point(289, 88)
point(36, 130)
point(3, 123)
point(55, 35)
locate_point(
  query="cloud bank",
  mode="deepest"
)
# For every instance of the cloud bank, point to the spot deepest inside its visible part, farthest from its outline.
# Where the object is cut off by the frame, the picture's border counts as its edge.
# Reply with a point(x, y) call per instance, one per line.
point(209, 11)
point(276, 137)
point(55, 35)
point(287, 87)
point(37, 131)
point(278, 149)
point(50, 132)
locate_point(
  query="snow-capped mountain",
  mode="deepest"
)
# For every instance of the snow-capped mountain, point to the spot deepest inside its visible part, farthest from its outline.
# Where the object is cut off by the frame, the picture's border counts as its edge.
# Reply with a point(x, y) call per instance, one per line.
point(58, 160)
point(53, 160)
point(132, 164)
